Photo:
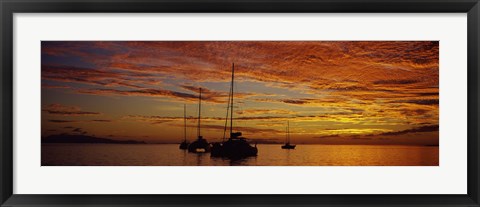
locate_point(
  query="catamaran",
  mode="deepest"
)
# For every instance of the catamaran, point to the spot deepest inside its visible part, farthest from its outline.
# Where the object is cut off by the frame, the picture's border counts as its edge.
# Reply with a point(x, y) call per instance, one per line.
point(236, 147)
point(287, 144)
point(200, 145)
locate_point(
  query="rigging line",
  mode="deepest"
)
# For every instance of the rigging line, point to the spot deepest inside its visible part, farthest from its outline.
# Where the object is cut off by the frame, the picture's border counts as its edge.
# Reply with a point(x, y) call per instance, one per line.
point(199, 111)
point(226, 117)
point(184, 122)
point(241, 105)
point(192, 129)
point(231, 103)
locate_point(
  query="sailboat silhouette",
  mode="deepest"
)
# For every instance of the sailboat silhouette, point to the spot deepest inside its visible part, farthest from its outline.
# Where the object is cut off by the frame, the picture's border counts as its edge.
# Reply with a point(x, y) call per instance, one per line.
point(184, 144)
point(201, 144)
point(236, 147)
point(287, 144)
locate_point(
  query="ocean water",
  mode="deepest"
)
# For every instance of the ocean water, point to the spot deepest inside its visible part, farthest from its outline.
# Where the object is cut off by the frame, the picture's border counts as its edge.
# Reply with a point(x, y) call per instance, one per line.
point(268, 155)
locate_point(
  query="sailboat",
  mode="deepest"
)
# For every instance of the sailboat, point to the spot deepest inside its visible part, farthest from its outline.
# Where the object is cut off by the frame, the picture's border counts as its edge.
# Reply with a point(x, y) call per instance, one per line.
point(201, 144)
point(236, 147)
point(184, 144)
point(287, 144)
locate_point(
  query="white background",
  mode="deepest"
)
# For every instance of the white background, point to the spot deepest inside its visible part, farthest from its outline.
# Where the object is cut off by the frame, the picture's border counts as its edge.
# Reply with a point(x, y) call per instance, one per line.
point(448, 178)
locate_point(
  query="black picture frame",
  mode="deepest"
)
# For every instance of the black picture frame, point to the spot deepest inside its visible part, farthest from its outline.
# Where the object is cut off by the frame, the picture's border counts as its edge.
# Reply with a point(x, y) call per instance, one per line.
point(9, 7)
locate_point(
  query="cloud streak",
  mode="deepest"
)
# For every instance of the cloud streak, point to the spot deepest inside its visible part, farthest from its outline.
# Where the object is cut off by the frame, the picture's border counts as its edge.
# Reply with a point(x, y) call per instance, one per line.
point(59, 109)
point(421, 129)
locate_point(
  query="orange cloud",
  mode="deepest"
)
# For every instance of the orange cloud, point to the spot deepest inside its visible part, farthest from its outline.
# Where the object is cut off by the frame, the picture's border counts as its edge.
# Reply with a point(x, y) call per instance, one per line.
point(59, 109)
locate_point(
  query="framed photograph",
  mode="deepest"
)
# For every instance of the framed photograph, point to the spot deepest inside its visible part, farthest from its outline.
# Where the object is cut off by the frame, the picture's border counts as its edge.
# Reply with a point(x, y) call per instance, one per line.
point(239, 103)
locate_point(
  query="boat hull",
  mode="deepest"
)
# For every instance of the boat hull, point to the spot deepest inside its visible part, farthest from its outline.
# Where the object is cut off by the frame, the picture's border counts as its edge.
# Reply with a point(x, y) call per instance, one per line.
point(233, 149)
point(199, 146)
point(288, 146)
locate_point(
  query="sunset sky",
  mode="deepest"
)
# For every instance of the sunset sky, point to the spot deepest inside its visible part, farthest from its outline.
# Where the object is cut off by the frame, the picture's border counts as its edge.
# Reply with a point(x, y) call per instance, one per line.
point(348, 92)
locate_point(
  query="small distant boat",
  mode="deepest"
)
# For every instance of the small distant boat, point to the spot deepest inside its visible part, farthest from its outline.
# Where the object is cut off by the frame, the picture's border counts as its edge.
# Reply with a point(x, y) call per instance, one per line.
point(200, 145)
point(287, 144)
point(236, 147)
point(184, 144)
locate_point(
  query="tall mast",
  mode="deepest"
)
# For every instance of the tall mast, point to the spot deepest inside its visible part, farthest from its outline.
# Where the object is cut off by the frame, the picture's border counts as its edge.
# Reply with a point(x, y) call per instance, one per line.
point(226, 118)
point(286, 134)
point(199, 112)
point(185, 122)
point(231, 101)
point(288, 131)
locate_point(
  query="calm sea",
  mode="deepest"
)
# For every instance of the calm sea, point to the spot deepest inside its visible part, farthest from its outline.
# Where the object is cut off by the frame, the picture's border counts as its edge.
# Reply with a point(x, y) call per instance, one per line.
point(268, 155)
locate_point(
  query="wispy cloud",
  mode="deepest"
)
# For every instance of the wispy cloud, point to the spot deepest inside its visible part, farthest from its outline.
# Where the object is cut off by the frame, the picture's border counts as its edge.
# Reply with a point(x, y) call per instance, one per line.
point(429, 128)
point(59, 109)
point(101, 120)
point(264, 111)
point(62, 121)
